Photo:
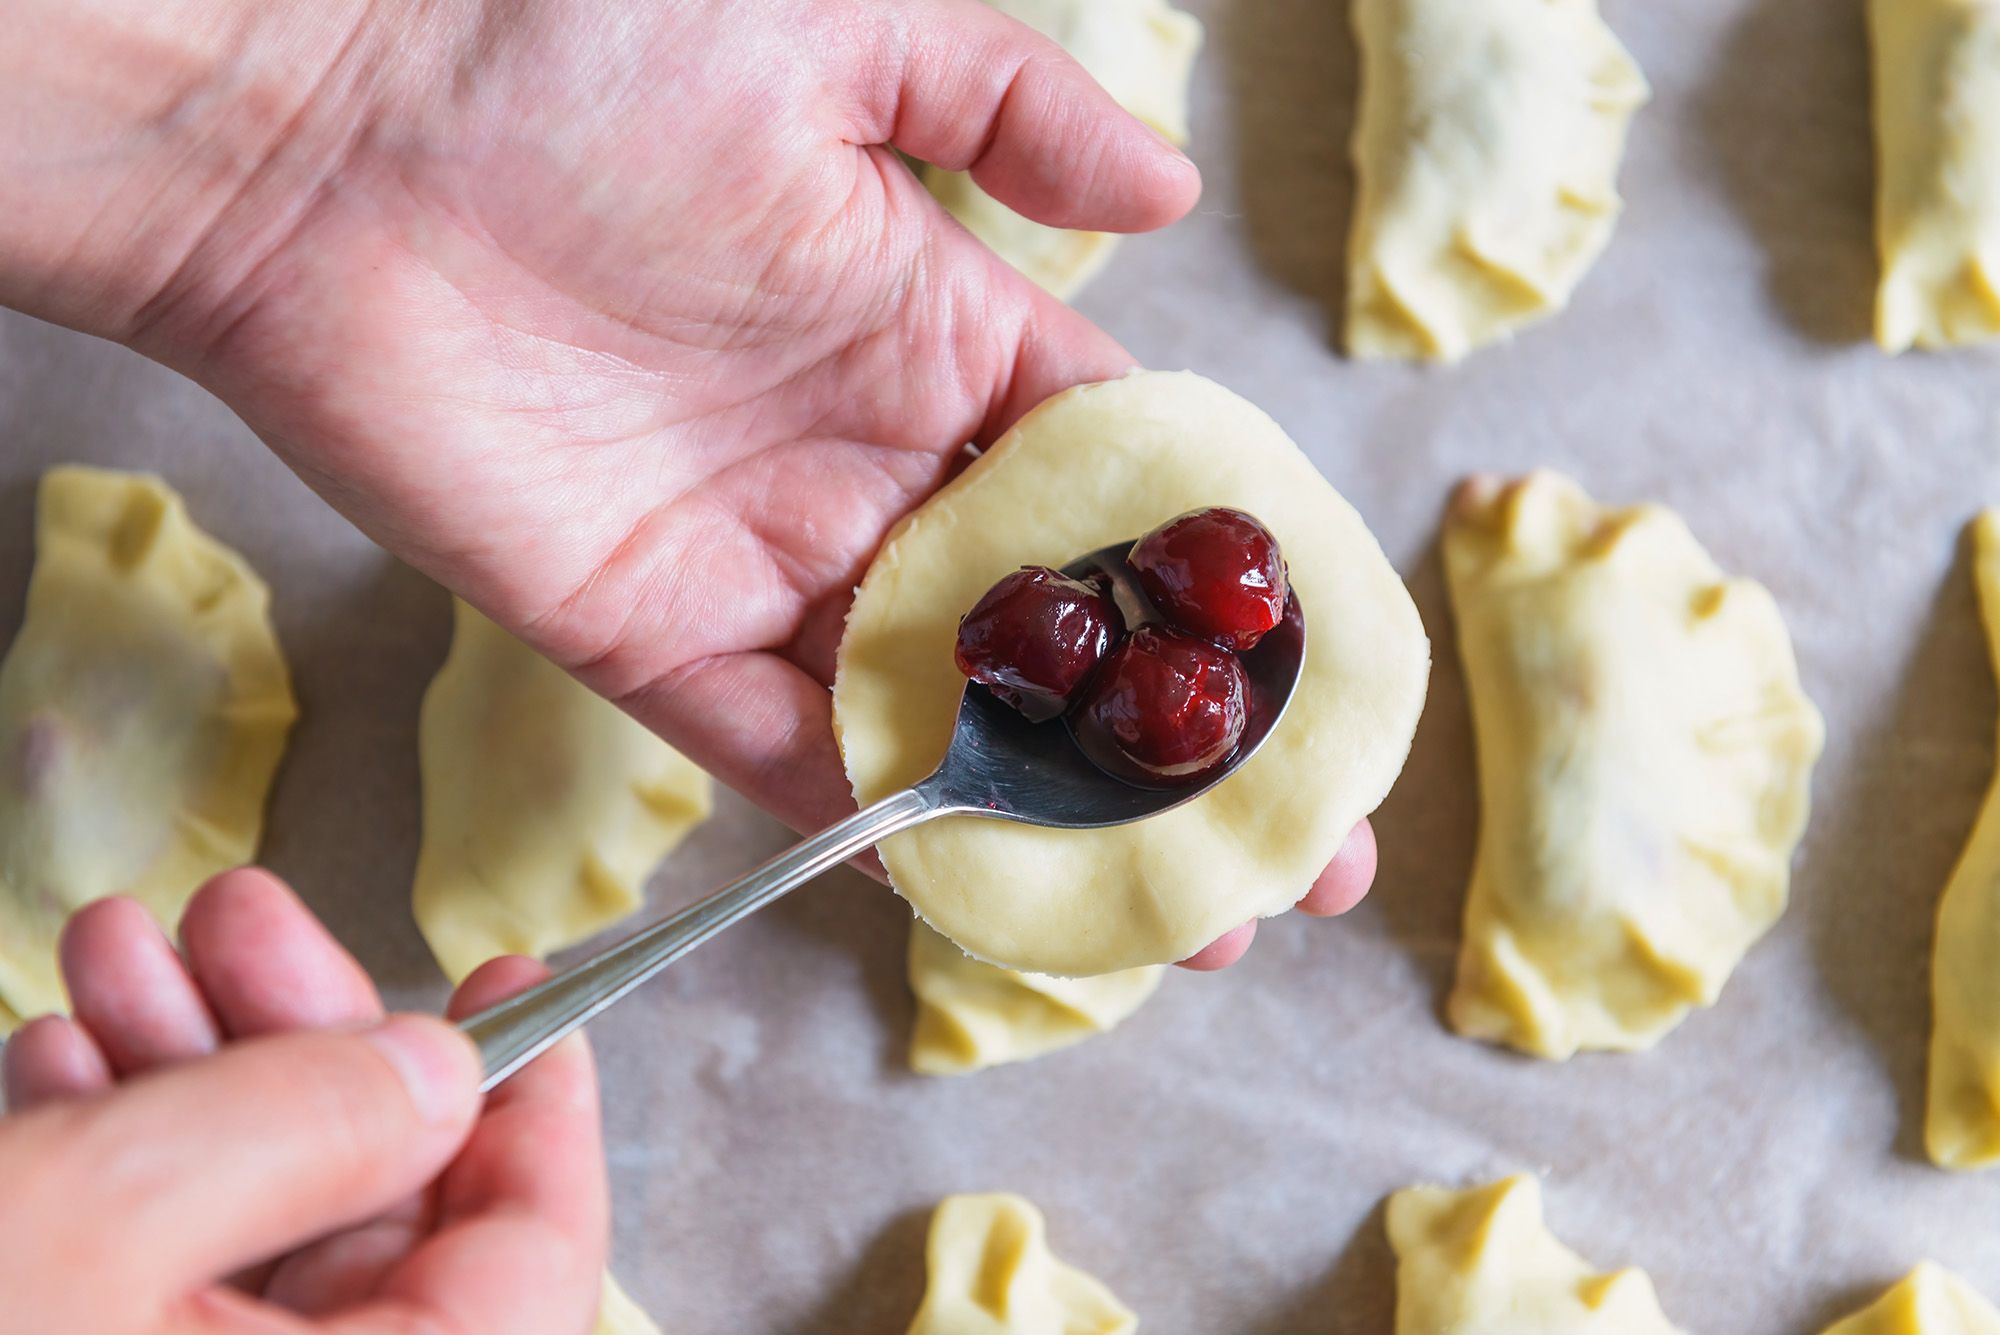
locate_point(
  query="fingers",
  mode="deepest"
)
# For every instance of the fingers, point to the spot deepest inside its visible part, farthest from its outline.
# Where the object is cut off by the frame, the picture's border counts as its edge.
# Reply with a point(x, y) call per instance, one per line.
point(1346, 880)
point(1056, 349)
point(539, 1144)
point(129, 988)
point(524, 1210)
point(178, 1173)
point(969, 89)
point(257, 962)
point(266, 964)
point(759, 724)
point(1019, 345)
point(334, 1272)
point(1339, 888)
point(1222, 952)
point(51, 1058)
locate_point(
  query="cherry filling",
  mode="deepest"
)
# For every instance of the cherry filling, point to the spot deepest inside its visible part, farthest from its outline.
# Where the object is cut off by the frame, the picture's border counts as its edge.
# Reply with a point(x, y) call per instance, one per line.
point(1036, 637)
point(1165, 706)
point(1216, 573)
point(1167, 703)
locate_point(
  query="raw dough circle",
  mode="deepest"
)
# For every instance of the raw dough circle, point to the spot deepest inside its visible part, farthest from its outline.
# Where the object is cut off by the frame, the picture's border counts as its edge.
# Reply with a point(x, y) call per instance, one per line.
point(1091, 466)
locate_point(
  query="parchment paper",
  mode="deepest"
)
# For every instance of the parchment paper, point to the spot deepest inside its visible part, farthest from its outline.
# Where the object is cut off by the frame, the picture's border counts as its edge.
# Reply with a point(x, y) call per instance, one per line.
point(1221, 1160)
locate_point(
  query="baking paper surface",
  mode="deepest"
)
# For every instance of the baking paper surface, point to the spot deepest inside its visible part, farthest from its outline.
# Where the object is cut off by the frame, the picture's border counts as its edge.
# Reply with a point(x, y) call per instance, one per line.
point(1221, 1159)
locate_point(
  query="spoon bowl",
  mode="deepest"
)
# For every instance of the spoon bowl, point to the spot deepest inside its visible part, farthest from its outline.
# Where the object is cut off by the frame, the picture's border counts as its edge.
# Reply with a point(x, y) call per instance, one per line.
point(1001, 765)
point(998, 765)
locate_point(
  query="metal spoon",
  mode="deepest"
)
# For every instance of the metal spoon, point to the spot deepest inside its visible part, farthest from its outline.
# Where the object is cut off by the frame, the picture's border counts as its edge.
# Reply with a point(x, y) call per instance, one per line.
point(999, 765)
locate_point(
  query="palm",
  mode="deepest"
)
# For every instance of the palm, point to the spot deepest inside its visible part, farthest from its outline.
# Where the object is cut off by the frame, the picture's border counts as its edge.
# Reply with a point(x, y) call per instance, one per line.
point(648, 405)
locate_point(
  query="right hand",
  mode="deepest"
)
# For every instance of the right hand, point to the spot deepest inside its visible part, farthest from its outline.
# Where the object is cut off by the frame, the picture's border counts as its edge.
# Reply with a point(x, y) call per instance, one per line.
point(242, 1144)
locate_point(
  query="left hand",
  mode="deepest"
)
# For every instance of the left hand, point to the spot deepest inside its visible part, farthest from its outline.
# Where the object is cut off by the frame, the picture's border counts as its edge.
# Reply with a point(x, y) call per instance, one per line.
point(623, 319)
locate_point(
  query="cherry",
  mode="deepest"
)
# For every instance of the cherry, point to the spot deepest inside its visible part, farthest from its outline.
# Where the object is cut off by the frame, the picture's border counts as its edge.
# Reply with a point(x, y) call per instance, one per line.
point(1216, 573)
point(1165, 707)
point(1035, 637)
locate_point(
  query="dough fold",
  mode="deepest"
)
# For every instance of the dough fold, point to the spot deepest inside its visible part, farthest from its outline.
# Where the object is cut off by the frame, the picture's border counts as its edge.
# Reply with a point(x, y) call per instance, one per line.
point(972, 1015)
point(992, 1273)
point(1644, 753)
point(546, 807)
point(1930, 1300)
point(1487, 152)
point(1481, 1262)
point(144, 707)
point(1962, 1114)
point(1090, 467)
point(1142, 52)
point(1937, 151)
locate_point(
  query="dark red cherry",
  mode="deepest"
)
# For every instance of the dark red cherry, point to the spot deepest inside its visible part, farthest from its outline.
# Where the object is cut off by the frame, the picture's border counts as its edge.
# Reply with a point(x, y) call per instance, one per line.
point(1165, 707)
point(1216, 573)
point(1036, 637)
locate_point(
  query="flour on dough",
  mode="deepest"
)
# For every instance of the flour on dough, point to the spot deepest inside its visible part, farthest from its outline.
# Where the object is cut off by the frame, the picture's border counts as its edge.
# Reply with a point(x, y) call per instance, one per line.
point(992, 1273)
point(143, 710)
point(1092, 466)
point(1962, 1119)
point(972, 1015)
point(1142, 52)
point(1482, 1262)
point(1937, 153)
point(1930, 1300)
point(545, 806)
point(1487, 153)
point(1644, 753)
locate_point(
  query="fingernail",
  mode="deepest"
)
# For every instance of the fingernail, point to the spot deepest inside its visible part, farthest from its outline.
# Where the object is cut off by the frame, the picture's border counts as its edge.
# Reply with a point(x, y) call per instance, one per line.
point(433, 1075)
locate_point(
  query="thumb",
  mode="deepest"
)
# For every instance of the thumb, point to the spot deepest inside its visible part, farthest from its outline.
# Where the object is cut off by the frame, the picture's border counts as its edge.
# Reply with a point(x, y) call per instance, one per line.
point(216, 1164)
point(961, 85)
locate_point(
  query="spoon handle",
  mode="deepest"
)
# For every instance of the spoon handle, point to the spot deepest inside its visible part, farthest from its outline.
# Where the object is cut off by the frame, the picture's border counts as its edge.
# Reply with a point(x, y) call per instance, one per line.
point(521, 1028)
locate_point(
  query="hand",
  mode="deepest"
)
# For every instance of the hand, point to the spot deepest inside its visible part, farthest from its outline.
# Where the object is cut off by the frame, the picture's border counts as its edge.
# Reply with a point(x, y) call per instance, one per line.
point(250, 1113)
point(626, 321)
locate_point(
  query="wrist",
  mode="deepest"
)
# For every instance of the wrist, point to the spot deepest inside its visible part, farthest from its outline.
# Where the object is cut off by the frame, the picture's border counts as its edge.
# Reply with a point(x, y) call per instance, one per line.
point(147, 147)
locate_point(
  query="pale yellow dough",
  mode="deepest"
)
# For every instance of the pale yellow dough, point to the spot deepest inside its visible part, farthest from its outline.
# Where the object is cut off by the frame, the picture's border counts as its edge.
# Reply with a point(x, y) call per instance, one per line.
point(972, 1015)
point(1644, 756)
point(1487, 153)
point(617, 1314)
point(1090, 467)
point(545, 806)
point(1142, 52)
point(1481, 1262)
point(143, 709)
point(992, 1273)
point(1962, 1120)
point(1930, 1300)
point(1937, 151)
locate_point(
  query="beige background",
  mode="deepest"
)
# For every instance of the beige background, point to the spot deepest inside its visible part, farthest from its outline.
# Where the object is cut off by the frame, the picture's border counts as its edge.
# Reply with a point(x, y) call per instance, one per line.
point(1221, 1160)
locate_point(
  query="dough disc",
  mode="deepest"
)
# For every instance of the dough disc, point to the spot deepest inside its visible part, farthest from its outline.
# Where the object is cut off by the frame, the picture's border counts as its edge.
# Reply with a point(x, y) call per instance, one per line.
point(1091, 466)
